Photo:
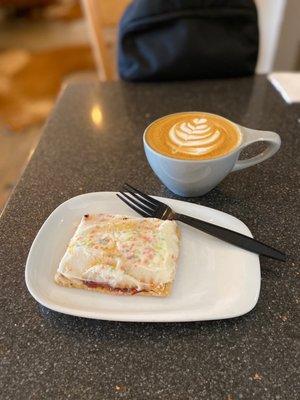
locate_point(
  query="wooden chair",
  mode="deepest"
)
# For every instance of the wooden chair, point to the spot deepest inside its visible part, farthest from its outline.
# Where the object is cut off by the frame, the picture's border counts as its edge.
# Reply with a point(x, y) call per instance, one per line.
point(102, 18)
point(103, 14)
point(270, 17)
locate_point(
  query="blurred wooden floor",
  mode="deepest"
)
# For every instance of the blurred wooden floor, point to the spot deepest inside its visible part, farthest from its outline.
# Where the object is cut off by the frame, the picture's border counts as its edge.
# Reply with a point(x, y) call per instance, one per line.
point(16, 149)
point(31, 76)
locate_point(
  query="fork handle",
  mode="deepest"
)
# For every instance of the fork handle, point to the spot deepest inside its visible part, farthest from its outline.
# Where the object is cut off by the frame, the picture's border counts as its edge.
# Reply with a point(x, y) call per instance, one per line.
point(232, 237)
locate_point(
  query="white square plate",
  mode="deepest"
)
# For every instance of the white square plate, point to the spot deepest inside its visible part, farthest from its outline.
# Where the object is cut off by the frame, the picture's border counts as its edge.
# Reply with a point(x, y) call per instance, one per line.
point(214, 280)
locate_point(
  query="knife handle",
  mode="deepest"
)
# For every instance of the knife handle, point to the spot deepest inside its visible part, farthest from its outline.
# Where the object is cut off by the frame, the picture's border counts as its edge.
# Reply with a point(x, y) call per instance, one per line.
point(232, 237)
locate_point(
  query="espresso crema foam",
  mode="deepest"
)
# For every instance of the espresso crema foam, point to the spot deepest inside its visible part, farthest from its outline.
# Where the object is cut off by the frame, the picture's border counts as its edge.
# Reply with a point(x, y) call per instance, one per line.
point(193, 136)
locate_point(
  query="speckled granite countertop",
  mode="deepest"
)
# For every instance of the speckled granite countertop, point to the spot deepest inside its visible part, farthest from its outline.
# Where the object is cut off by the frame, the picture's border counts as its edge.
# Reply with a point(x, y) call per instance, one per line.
point(46, 355)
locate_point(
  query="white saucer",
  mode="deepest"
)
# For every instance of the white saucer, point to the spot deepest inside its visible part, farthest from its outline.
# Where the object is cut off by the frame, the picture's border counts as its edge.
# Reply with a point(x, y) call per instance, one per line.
point(214, 280)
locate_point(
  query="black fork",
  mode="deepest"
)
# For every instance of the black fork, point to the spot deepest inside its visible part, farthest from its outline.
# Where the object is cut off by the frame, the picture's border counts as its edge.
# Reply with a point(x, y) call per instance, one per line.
point(149, 207)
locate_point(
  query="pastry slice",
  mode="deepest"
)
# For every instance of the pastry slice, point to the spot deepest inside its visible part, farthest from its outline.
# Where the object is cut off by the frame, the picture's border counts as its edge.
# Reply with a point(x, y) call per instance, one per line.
point(119, 255)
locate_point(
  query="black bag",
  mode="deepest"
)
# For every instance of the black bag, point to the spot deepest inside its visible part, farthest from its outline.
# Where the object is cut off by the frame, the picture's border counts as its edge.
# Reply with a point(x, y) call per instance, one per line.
point(187, 39)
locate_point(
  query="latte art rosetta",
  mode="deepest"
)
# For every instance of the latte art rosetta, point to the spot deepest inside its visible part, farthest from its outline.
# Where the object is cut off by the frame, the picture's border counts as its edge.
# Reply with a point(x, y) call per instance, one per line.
point(195, 137)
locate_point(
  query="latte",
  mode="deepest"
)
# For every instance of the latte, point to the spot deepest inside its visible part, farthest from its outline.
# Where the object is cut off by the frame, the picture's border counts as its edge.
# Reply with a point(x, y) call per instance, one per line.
point(193, 135)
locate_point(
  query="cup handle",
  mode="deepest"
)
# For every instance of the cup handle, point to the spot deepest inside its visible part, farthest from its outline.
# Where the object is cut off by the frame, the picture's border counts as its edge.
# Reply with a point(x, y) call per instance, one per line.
point(252, 136)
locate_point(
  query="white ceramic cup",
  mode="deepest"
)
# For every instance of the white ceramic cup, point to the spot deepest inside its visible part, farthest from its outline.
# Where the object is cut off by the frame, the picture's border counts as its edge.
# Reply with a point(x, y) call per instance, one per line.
point(196, 177)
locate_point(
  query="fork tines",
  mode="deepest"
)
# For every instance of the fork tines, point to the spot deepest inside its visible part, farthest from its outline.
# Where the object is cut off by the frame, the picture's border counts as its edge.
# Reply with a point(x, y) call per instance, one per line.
point(140, 194)
point(139, 201)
